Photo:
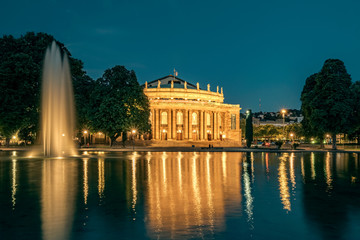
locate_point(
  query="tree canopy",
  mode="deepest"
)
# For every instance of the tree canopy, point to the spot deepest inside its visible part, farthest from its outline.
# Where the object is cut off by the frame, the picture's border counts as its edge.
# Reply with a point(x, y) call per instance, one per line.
point(327, 101)
point(118, 104)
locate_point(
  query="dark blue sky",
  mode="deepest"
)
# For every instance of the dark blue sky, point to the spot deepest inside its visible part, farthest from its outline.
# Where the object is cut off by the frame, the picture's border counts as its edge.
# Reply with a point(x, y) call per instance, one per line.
point(254, 49)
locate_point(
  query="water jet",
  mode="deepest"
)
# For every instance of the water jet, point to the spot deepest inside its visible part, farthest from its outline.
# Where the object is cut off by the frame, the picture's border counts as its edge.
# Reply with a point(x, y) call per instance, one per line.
point(57, 104)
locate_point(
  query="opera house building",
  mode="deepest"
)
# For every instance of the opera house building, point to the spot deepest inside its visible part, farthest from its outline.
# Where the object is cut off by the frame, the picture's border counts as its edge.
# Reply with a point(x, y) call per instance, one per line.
point(183, 111)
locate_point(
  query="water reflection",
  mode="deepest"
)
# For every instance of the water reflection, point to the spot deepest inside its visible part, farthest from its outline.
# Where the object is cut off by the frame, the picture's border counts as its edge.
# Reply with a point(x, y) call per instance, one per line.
point(247, 189)
point(57, 198)
point(328, 171)
point(186, 194)
point(101, 177)
point(85, 180)
point(14, 183)
point(283, 183)
point(181, 195)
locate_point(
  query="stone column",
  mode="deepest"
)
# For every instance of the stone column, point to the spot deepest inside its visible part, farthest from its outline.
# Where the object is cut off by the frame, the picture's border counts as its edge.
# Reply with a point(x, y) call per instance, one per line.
point(173, 124)
point(186, 124)
point(214, 126)
point(153, 123)
point(218, 124)
point(157, 124)
point(169, 125)
point(190, 124)
point(201, 119)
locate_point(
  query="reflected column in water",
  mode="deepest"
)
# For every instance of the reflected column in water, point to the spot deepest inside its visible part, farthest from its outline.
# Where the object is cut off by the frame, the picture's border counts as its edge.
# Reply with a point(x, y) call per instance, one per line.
point(249, 200)
point(14, 183)
point(58, 198)
point(328, 171)
point(292, 174)
point(312, 160)
point(86, 181)
point(101, 177)
point(283, 184)
point(133, 182)
point(195, 186)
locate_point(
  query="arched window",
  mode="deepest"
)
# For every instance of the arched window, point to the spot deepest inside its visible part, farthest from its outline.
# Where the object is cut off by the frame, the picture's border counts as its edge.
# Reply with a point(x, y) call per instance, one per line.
point(194, 119)
point(208, 119)
point(179, 118)
point(164, 118)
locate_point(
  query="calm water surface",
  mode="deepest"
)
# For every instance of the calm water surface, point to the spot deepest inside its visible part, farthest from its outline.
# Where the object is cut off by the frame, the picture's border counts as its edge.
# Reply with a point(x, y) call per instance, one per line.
point(180, 196)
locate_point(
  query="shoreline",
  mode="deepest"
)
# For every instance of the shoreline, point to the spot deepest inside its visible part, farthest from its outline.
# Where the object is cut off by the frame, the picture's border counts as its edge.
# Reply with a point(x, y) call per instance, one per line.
point(191, 149)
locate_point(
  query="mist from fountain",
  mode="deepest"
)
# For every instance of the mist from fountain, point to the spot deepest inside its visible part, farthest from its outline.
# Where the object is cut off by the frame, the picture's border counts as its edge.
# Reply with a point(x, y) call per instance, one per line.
point(57, 105)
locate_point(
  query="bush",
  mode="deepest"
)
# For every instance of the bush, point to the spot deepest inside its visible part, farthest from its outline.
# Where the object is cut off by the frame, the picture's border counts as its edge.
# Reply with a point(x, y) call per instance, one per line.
point(278, 144)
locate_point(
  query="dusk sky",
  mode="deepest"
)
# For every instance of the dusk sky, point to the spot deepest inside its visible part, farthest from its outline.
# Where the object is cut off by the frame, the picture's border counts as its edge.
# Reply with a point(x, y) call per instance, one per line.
point(253, 49)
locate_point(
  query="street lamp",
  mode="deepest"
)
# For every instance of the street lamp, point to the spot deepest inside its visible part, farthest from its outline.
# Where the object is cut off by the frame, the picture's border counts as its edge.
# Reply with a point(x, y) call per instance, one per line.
point(283, 111)
point(292, 135)
point(85, 133)
point(133, 138)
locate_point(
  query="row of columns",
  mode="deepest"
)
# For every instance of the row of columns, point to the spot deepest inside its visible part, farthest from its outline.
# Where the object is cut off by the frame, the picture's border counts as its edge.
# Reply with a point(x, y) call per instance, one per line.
point(170, 130)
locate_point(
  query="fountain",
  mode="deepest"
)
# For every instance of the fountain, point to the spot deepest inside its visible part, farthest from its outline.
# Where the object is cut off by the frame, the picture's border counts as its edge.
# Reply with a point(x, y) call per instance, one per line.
point(57, 105)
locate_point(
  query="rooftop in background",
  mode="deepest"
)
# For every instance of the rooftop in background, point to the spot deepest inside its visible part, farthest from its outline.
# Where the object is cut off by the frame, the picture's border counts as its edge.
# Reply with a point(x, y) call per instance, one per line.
point(166, 83)
point(174, 88)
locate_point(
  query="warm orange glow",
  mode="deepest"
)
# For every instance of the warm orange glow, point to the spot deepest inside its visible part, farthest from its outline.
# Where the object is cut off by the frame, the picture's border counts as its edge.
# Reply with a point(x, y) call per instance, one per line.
point(198, 191)
point(85, 132)
point(283, 185)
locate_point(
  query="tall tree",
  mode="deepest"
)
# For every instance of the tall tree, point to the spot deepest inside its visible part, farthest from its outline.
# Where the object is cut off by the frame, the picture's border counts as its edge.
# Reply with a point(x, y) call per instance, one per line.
point(249, 128)
point(119, 104)
point(327, 101)
point(355, 130)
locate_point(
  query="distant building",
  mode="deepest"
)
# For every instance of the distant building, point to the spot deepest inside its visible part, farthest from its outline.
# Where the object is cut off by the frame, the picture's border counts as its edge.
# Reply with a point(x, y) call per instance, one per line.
point(275, 118)
point(182, 111)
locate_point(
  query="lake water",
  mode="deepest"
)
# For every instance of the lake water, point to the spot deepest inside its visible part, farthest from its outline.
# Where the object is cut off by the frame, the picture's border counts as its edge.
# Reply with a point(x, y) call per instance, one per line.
point(156, 195)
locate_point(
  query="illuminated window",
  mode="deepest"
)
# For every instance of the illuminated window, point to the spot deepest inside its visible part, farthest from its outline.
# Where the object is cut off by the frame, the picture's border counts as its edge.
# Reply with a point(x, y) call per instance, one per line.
point(164, 118)
point(179, 117)
point(208, 119)
point(194, 119)
point(233, 121)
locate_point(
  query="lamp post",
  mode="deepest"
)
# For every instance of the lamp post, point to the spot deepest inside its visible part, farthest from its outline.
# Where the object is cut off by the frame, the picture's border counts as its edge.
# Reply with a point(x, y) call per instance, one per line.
point(85, 133)
point(133, 138)
point(283, 114)
point(292, 137)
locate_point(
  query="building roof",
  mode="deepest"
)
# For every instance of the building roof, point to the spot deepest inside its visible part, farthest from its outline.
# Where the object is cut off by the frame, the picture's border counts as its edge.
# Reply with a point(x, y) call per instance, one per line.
point(166, 83)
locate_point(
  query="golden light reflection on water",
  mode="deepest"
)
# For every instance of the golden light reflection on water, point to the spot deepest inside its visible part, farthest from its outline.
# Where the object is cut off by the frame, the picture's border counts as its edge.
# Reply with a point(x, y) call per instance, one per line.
point(187, 193)
point(85, 180)
point(57, 198)
point(14, 183)
point(283, 184)
point(133, 182)
point(312, 166)
point(328, 171)
point(101, 177)
point(302, 168)
point(292, 173)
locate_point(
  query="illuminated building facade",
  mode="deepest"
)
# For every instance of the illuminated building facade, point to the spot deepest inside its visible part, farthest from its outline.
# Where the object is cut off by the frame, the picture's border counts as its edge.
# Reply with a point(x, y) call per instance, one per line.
point(182, 111)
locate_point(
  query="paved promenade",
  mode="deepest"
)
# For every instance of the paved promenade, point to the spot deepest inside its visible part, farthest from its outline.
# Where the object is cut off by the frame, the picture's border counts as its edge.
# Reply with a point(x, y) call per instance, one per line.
point(102, 148)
